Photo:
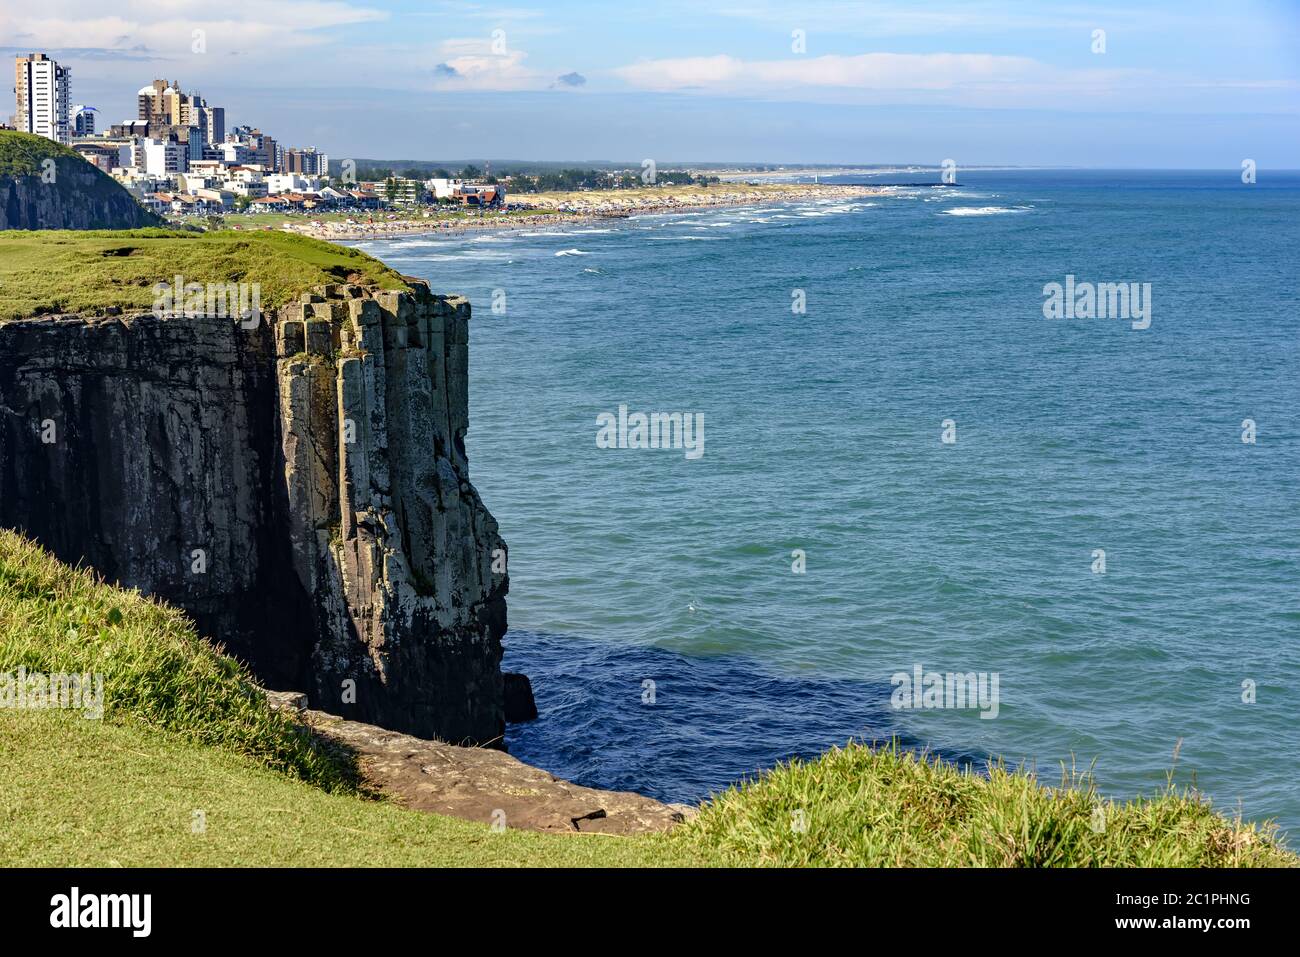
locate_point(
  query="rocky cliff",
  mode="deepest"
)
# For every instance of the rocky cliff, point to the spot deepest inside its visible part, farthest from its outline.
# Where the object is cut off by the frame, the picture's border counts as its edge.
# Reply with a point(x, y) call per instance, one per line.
point(300, 487)
point(47, 186)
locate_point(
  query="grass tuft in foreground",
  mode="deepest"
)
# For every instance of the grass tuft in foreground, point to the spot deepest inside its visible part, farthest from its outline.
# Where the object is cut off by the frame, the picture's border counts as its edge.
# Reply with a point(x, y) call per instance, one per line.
point(883, 807)
point(156, 671)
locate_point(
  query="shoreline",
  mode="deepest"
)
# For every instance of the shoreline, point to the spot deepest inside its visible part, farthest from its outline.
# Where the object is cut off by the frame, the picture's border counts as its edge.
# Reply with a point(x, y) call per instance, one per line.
point(559, 213)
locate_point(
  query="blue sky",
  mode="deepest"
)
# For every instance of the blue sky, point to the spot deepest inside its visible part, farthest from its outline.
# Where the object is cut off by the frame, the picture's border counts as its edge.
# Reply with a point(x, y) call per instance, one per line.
point(1179, 84)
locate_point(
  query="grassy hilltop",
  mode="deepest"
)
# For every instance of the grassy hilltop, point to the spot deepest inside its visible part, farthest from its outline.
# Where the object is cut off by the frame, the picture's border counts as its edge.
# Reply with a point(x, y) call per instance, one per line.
point(185, 731)
point(25, 154)
point(46, 185)
point(69, 271)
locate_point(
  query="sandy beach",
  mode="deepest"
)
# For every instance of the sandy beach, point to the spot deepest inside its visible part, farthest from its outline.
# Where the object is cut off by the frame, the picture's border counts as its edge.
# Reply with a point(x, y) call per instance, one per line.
point(576, 208)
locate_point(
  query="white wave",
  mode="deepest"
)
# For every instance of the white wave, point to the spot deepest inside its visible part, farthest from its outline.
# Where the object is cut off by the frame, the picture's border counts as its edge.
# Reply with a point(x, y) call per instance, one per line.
point(985, 210)
point(572, 252)
point(454, 256)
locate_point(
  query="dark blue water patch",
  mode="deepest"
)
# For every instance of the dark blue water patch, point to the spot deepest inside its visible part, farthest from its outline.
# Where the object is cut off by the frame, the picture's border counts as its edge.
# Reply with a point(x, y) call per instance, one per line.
point(714, 720)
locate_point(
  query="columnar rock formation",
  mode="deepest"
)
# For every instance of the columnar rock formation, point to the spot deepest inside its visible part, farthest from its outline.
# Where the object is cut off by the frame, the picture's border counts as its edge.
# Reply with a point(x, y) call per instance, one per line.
point(300, 487)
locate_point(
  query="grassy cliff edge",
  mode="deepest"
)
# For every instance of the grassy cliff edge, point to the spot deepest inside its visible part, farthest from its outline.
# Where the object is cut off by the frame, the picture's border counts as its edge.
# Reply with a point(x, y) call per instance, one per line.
point(63, 271)
point(190, 766)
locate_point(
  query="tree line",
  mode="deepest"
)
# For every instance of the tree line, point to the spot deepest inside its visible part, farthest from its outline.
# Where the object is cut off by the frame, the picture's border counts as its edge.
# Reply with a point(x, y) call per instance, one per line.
point(541, 182)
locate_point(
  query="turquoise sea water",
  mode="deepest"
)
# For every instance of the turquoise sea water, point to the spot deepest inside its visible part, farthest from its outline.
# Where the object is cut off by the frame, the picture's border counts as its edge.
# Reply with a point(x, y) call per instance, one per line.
point(823, 433)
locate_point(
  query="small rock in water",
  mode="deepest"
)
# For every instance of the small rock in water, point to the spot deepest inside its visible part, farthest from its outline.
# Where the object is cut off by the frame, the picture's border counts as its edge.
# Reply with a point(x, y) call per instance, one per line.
point(520, 705)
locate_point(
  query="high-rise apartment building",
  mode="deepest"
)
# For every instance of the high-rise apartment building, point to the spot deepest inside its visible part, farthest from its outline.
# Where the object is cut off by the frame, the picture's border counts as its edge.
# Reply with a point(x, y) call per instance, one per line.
point(162, 104)
point(83, 120)
point(42, 97)
point(263, 147)
point(268, 154)
point(182, 117)
point(307, 162)
point(214, 118)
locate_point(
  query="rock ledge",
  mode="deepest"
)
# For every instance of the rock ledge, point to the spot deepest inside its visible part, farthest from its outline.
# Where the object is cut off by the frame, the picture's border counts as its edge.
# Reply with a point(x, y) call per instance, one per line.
point(481, 784)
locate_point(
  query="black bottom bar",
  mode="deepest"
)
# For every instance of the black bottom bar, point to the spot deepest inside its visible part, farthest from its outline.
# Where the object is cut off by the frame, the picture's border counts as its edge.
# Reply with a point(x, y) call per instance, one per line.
point(335, 907)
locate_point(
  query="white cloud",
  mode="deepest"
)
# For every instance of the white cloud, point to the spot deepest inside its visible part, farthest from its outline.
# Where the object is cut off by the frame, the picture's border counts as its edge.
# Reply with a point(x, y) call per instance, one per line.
point(880, 71)
point(940, 79)
point(481, 12)
point(166, 27)
point(875, 18)
point(470, 63)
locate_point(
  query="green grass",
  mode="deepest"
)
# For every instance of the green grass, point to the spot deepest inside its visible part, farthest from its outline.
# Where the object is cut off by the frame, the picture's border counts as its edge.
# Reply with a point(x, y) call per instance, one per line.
point(882, 807)
point(88, 793)
point(184, 730)
point(75, 271)
point(21, 154)
point(157, 673)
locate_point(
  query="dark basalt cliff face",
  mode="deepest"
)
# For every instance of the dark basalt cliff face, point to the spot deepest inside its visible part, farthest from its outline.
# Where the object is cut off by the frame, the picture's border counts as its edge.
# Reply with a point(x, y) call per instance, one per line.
point(300, 488)
point(69, 194)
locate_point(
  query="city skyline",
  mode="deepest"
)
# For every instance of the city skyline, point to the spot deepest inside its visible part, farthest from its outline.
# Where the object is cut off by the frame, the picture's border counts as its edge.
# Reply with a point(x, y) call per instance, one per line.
point(1172, 85)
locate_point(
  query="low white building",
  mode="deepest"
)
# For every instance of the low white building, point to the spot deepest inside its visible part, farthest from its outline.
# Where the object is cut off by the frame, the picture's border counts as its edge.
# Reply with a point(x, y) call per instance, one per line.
point(216, 198)
point(236, 154)
point(160, 157)
point(245, 181)
point(244, 174)
point(277, 183)
point(192, 182)
point(245, 188)
point(139, 182)
point(207, 167)
point(442, 188)
point(106, 154)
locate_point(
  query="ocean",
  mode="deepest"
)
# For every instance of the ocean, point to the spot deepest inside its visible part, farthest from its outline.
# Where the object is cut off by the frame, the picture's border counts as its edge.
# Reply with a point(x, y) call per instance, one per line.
point(919, 471)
